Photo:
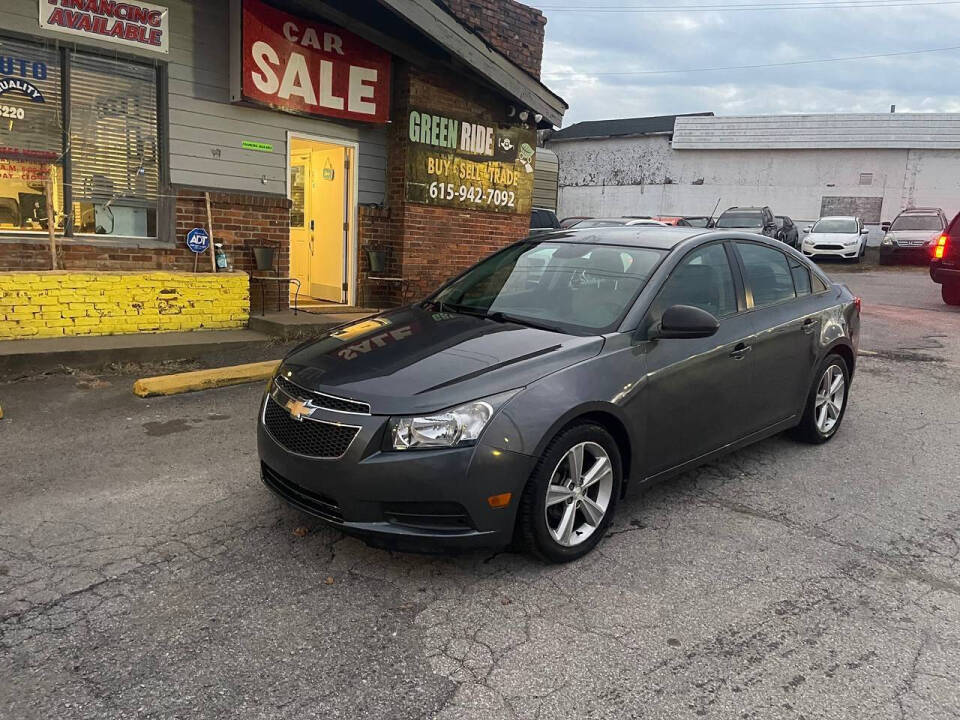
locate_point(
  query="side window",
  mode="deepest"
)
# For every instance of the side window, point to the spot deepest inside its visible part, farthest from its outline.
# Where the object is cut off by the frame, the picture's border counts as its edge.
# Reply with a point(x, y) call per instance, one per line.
point(767, 273)
point(703, 280)
point(819, 285)
point(801, 278)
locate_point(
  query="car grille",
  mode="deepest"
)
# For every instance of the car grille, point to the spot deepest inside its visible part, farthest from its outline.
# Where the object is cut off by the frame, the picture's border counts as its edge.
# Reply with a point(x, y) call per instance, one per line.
point(322, 400)
point(313, 438)
point(307, 500)
point(828, 247)
point(437, 516)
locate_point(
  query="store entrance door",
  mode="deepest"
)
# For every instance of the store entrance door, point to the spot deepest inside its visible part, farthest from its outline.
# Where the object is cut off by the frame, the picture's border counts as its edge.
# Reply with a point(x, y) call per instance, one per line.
point(320, 218)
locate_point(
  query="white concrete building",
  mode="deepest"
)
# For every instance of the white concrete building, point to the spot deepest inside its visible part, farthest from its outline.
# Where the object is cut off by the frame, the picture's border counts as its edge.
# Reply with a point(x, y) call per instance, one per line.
point(803, 166)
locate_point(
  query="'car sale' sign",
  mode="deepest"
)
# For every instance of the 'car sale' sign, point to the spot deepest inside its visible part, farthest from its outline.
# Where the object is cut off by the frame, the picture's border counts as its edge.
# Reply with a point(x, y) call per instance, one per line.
point(301, 66)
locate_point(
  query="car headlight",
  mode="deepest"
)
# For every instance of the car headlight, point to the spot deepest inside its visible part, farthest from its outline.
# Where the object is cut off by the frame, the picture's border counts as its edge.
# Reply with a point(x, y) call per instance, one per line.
point(886, 241)
point(461, 425)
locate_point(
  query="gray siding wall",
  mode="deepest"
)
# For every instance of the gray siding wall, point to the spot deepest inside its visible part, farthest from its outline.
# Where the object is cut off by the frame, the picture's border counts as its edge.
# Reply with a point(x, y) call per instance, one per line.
point(545, 179)
point(205, 130)
point(906, 131)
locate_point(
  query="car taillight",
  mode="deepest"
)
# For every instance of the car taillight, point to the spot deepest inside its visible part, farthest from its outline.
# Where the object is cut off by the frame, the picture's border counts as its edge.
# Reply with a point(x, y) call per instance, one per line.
point(857, 303)
point(940, 248)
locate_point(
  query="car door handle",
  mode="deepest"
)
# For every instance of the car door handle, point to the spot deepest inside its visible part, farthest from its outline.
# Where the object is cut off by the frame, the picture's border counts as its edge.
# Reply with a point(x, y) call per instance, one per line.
point(809, 325)
point(740, 351)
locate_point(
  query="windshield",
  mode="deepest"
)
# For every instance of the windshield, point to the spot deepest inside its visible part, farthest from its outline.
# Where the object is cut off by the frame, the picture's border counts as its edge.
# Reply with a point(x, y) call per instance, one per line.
point(700, 222)
point(917, 222)
point(836, 225)
point(593, 222)
point(740, 220)
point(568, 286)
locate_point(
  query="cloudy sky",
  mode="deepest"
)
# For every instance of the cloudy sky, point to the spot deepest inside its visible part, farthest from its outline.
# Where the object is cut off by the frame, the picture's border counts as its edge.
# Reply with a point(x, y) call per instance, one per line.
point(591, 45)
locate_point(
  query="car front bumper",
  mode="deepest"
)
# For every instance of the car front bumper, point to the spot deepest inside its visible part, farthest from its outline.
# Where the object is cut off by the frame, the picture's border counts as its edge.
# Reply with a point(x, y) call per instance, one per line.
point(912, 253)
point(838, 252)
point(410, 500)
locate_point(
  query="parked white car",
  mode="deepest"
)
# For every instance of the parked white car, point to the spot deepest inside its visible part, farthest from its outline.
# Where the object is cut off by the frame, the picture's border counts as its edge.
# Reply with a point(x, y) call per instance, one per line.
point(842, 236)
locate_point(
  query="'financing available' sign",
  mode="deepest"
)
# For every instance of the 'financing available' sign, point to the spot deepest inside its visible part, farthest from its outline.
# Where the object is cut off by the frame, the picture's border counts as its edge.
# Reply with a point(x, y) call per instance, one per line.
point(309, 68)
point(135, 24)
point(465, 164)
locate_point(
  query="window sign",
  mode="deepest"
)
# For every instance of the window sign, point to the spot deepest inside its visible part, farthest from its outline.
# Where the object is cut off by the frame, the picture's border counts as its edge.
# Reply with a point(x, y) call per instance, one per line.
point(297, 65)
point(462, 163)
point(31, 135)
point(141, 24)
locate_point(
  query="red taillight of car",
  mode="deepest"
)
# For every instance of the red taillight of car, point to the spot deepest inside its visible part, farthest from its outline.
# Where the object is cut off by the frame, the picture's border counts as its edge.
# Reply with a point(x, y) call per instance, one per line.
point(940, 248)
point(857, 303)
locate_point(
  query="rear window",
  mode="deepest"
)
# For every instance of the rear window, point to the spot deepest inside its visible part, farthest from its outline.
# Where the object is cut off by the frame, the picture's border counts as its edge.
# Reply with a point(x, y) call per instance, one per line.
point(741, 220)
point(917, 222)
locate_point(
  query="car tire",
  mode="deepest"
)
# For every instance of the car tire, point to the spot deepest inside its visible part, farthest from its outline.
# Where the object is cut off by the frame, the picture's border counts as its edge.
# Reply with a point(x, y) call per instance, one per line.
point(812, 427)
point(543, 526)
point(950, 292)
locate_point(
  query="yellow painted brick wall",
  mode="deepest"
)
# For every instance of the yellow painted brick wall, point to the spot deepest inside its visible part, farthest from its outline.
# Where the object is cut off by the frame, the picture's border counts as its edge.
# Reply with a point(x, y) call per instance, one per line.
point(53, 304)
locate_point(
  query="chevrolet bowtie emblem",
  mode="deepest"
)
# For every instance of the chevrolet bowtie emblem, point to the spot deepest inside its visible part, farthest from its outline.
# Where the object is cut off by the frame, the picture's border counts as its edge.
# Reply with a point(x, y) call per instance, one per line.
point(298, 409)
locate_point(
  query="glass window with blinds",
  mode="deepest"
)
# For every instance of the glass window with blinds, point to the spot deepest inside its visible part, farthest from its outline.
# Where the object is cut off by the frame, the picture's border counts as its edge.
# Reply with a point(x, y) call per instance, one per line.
point(102, 165)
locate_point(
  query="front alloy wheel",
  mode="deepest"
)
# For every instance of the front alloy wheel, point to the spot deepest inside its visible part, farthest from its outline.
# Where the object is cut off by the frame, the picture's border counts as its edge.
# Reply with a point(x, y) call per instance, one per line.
point(578, 494)
point(569, 501)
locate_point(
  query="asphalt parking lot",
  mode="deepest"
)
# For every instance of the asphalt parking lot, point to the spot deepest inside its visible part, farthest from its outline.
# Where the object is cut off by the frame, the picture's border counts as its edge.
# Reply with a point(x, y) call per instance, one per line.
point(145, 571)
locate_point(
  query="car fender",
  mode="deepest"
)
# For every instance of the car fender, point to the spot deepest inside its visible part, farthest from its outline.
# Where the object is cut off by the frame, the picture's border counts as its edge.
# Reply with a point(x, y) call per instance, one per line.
point(533, 417)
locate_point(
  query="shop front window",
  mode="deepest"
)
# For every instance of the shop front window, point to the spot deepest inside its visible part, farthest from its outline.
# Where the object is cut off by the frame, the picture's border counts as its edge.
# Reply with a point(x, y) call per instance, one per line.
point(102, 164)
point(31, 137)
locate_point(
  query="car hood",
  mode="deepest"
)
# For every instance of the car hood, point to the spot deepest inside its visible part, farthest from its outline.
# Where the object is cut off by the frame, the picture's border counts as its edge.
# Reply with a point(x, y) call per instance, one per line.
point(912, 235)
point(831, 238)
point(416, 359)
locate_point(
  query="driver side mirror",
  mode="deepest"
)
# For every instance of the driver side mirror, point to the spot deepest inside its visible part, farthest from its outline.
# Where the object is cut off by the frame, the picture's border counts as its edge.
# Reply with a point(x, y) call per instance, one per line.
point(684, 321)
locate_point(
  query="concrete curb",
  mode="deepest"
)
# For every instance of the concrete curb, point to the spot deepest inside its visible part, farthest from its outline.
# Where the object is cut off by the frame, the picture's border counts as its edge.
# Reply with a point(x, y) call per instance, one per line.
point(205, 379)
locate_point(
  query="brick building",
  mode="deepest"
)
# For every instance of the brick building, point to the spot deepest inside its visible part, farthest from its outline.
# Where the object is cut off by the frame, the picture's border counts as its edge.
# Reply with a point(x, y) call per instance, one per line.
point(375, 146)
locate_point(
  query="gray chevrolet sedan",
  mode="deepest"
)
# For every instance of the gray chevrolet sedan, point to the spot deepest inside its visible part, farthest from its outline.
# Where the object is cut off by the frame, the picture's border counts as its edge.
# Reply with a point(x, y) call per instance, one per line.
point(521, 400)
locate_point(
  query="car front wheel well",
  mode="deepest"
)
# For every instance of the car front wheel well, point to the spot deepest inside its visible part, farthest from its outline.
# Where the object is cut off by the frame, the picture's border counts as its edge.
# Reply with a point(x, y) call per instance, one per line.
point(613, 425)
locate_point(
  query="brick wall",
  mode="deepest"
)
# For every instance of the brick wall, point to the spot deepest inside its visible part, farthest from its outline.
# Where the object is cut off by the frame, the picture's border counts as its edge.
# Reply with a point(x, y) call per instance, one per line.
point(431, 244)
point(513, 29)
point(57, 303)
point(240, 222)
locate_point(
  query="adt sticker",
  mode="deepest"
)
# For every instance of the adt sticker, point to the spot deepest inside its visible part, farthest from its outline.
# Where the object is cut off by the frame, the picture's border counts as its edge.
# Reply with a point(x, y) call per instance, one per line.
point(198, 240)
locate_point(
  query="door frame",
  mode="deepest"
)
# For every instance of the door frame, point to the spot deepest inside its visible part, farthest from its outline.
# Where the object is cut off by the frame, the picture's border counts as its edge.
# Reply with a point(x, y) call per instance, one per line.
point(350, 265)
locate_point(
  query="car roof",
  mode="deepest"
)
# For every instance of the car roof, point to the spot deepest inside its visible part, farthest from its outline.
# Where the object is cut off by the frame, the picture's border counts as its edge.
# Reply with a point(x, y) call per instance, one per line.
point(838, 217)
point(921, 211)
point(651, 236)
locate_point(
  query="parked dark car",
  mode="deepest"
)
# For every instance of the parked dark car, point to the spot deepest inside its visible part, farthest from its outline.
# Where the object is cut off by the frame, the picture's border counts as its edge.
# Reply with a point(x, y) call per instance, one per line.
point(522, 398)
point(945, 262)
point(572, 220)
point(911, 235)
point(787, 231)
point(753, 219)
point(543, 220)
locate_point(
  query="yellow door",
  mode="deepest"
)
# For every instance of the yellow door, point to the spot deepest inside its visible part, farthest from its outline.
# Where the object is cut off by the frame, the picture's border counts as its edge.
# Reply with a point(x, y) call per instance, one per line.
point(328, 198)
point(300, 251)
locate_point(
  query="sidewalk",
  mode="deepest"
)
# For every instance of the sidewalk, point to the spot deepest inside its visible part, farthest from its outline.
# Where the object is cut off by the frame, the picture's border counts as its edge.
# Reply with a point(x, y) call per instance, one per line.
point(20, 357)
point(268, 337)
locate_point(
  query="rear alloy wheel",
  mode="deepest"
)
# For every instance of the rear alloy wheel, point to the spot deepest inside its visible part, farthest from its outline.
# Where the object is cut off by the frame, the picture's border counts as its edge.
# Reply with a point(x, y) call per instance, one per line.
point(571, 496)
point(826, 402)
point(950, 292)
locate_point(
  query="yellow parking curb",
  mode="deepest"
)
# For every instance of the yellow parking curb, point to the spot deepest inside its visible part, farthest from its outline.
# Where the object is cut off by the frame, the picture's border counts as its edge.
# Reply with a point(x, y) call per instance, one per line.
point(1, 413)
point(204, 379)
